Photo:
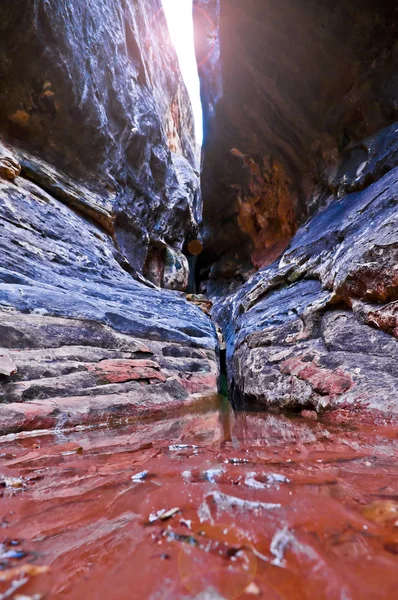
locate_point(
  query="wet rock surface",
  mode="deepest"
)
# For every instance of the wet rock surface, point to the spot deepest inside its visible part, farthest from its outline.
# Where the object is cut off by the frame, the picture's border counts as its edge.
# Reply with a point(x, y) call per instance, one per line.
point(77, 325)
point(104, 102)
point(63, 372)
point(58, 263)
point(202, 505)
point(120, 474)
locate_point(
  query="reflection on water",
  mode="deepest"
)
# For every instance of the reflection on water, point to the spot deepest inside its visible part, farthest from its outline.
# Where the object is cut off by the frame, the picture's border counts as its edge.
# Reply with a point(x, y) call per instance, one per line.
point(204, 505)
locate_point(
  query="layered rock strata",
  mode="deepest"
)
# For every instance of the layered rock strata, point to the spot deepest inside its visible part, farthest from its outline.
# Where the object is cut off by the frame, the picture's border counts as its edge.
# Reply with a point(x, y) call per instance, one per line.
point(97, 173)
point(318, 328)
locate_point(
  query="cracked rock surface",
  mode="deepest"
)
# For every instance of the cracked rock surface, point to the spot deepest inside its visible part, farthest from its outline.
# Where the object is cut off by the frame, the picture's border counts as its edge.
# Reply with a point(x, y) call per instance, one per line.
point(85, 337)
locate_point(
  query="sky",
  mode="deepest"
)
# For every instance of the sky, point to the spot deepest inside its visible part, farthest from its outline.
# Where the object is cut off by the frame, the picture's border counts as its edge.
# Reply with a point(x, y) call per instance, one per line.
point(179, 19)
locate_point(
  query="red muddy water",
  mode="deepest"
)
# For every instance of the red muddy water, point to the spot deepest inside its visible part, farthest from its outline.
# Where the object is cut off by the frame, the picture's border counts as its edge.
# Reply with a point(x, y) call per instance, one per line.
point(204, 505)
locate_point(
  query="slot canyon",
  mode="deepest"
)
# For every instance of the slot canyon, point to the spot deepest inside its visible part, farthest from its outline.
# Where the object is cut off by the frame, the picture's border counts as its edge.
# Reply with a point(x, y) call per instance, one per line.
point(198, 344)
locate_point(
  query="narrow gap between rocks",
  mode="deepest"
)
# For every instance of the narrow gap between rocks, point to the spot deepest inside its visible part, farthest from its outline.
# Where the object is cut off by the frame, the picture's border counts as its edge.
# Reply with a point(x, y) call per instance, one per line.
point(180, 22)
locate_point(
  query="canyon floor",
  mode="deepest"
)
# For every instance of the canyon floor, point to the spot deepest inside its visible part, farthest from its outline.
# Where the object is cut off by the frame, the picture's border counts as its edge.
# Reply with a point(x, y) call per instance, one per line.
point(204, 504)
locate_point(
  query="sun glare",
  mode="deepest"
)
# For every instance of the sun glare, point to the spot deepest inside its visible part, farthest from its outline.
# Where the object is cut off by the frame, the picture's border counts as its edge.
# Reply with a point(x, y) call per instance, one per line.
point(180, 23)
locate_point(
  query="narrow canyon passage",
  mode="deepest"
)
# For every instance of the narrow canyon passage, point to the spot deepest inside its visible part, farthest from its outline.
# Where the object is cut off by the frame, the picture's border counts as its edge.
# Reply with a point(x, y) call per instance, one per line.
point(198, 333)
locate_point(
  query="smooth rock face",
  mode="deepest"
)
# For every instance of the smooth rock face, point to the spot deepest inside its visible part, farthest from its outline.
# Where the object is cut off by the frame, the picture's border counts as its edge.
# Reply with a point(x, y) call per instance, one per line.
point(94, 88)
point(292, 88)
point(96, 171)
point(56, 262)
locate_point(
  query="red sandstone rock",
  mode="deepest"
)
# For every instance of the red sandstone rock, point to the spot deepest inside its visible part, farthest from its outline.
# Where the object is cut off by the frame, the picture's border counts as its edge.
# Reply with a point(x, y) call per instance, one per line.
point(119, 371)
point(323, 381)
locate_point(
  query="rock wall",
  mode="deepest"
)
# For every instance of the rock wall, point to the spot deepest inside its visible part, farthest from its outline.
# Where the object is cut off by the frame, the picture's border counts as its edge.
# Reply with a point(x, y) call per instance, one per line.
point(96, 174)
point(95, 90)
point(99, 197)
point(300, 180)
point(289, 88)
point(318, 328)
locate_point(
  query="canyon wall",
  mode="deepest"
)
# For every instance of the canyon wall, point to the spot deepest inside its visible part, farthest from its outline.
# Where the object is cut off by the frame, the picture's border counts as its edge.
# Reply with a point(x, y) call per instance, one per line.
point(299, 182)
point(97, 92)
point(98, 194)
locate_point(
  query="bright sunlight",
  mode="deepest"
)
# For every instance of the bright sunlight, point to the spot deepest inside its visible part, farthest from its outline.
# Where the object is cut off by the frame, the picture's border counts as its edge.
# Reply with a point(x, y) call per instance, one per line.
point(179, 19)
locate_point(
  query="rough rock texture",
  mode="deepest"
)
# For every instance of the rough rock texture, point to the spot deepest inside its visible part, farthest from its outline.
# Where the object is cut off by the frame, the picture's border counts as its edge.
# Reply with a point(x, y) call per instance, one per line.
point(73, 372)
point(301, 136)
point(56, 263)
point(288, 89)
point(319, 327)
point(96, 173)
point(99, 198)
